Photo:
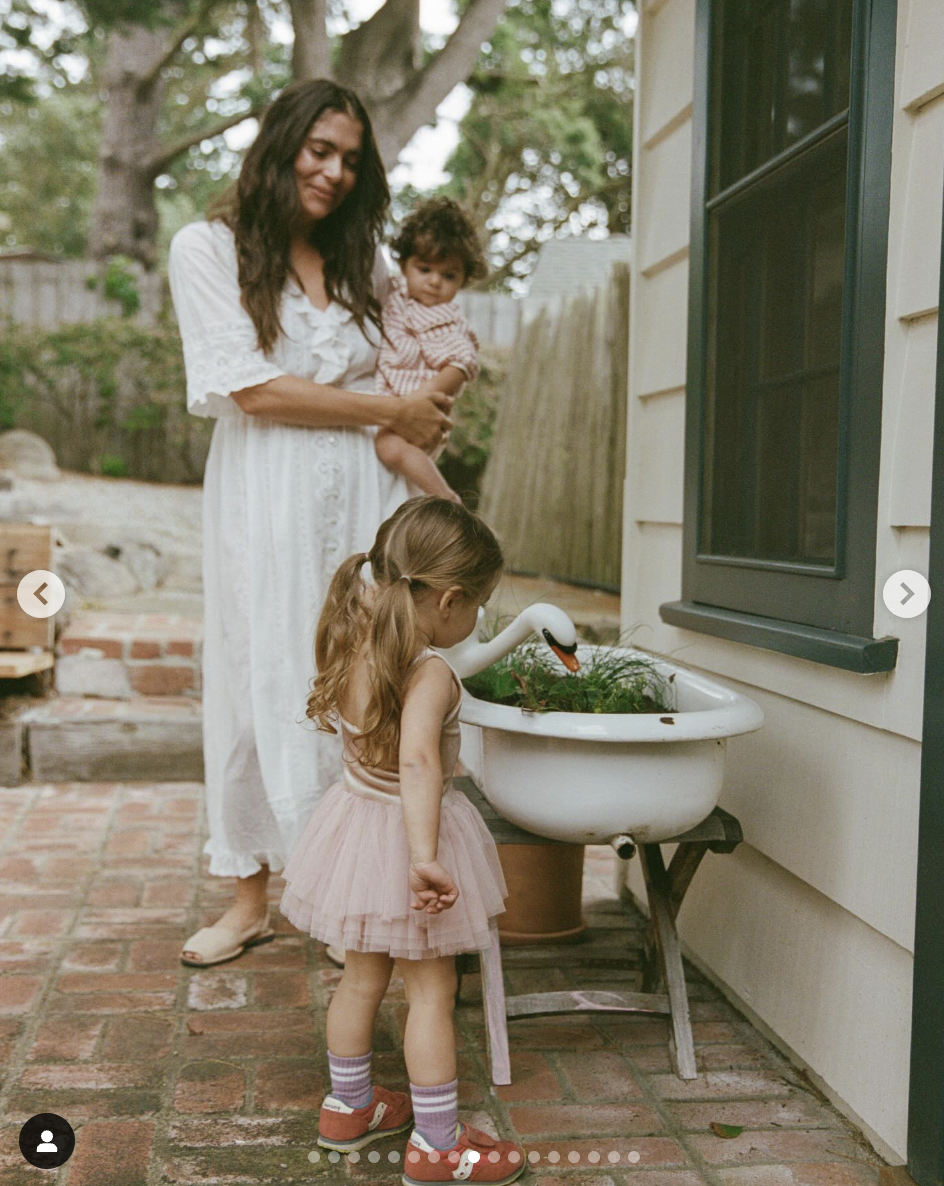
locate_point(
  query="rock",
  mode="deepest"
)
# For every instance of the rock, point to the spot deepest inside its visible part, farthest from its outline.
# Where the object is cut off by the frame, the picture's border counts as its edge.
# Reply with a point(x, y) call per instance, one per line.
point(94, 576)
point(27, 455)
point(144, 561)
point(90, 674)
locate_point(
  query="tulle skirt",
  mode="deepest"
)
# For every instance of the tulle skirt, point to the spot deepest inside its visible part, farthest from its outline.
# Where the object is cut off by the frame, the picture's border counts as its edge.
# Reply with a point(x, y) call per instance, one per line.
point(346, 881)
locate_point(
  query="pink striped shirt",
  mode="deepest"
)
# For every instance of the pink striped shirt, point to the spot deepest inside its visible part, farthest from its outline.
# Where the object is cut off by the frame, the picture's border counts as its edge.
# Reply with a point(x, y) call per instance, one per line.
point(422, 340)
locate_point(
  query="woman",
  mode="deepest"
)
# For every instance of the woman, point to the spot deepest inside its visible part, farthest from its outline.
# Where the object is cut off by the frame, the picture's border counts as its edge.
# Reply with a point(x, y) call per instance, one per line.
point(277, 297)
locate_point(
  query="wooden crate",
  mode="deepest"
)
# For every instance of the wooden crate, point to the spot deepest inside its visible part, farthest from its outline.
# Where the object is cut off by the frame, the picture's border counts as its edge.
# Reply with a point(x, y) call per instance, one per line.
point(23, 548)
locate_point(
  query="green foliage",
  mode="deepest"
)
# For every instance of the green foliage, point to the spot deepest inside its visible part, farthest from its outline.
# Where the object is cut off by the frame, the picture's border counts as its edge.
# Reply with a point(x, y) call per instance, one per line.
point(112, 466)
point(610, 681)
point(119, 284)
point(107, 395)
point(474, 414)
point(47, 171)
point(546, 145)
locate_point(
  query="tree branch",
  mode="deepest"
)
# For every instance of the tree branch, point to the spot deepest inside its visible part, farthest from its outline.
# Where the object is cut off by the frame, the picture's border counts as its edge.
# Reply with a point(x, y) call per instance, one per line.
point(166, 155)
point(417, 103)
point(311, 51)
point(170, 50)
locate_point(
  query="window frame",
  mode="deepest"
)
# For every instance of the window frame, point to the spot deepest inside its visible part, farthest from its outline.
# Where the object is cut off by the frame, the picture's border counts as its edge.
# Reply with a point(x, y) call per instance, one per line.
point(759, 602)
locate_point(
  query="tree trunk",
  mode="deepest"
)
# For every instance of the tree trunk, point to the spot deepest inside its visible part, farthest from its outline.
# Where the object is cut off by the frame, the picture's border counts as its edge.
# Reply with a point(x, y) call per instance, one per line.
point(124, 218)
point(311, 52)
point(380, 59)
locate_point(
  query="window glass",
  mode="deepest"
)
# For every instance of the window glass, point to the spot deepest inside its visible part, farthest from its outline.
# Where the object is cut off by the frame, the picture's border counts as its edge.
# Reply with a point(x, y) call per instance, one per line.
point(772, 386)
point(785, 66)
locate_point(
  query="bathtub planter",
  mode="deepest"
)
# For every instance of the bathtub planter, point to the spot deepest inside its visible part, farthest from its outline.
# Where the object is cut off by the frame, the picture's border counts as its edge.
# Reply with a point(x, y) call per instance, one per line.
point(584, 778)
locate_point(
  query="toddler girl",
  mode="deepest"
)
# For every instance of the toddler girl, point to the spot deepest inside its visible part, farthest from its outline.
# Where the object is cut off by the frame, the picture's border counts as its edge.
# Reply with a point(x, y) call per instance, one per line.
point(395, 863)
point(427, 340)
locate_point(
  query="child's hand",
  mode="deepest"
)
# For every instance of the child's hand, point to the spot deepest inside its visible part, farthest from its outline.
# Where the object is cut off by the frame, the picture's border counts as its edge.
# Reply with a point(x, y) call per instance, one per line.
point(433, 888)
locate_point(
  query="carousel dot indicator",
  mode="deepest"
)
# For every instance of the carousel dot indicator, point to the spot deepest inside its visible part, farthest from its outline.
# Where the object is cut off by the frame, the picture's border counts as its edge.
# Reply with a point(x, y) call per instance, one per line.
point(553, 1156)
point(373, 1156)
point(573, 1156)
point(612, 1157)
point(474, 1155)
point(593, 1156)
point(533, 1156)
point(334, 1156)
point(633, 1156)
point(393, 1156)
point(314, 1156)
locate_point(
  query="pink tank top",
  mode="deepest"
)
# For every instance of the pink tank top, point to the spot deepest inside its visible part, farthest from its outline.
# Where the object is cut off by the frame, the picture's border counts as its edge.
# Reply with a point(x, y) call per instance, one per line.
point(374, 783)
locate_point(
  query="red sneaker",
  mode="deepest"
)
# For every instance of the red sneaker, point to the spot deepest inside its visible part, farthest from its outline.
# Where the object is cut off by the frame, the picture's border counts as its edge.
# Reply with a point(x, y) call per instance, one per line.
point(475, 1157)
point(345, 1128)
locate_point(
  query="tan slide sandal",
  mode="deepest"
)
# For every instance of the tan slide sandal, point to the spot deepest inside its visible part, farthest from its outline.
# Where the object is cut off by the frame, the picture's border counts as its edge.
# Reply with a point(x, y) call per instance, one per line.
point(219, 944)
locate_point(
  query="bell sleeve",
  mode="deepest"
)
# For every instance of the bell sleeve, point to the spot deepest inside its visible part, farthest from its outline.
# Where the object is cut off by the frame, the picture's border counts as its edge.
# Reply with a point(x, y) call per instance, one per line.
point(221, 352)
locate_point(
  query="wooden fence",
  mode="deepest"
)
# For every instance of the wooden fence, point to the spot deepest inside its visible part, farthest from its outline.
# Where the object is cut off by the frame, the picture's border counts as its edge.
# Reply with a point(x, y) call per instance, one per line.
point(47, 293)
point(493, 316)
point(553, 485)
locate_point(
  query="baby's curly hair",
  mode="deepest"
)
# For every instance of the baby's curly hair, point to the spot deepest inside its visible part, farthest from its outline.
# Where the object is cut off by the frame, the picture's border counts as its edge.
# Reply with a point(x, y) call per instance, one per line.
point(438, 228)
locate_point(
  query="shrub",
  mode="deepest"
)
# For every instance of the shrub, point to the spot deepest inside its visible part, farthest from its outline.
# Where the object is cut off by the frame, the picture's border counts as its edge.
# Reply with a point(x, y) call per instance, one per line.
point(108, 395)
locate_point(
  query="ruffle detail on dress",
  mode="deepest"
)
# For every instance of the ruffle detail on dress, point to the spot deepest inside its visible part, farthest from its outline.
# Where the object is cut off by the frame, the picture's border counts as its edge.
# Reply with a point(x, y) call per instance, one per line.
point(228, 863)
point(331, 351)
point(347, 879)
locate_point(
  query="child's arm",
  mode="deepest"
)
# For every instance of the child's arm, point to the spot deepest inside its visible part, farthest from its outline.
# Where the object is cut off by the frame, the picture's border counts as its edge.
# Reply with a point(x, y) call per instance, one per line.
point(429, 697)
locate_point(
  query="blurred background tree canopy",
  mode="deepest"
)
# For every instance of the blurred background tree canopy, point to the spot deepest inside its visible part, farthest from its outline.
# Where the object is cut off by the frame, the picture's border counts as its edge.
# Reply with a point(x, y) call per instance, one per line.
point(116, 115)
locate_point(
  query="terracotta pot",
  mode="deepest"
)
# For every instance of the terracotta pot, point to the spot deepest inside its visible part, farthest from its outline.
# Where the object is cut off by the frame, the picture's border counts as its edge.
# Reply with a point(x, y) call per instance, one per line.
point(545, 883)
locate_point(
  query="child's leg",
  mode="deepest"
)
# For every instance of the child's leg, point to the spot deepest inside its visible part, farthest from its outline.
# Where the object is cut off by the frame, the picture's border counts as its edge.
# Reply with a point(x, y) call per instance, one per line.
point(429, 1046)
point(350, 1024)
point(412, 463)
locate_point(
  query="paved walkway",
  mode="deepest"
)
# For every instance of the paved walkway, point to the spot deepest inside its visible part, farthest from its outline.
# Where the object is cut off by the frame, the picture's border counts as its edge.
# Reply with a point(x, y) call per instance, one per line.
point(174, 1076)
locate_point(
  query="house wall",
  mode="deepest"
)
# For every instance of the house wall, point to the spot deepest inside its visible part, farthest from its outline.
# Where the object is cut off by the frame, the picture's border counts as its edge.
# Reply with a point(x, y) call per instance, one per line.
point(827, 791)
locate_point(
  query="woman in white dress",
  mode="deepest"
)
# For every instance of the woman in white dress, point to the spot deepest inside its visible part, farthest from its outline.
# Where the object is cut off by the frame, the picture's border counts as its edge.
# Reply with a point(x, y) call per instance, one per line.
point(277, 298)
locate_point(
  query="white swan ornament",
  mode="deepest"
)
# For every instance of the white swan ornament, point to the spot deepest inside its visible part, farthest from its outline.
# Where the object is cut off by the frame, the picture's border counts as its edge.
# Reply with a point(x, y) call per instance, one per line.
point(472, 655)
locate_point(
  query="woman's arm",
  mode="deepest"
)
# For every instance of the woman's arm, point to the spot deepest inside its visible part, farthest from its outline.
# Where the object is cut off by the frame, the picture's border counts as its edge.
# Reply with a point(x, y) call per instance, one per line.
point(419, 419)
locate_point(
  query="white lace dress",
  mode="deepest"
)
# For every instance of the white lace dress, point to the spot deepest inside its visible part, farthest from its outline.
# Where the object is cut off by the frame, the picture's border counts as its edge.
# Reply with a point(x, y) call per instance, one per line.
point(282, 507)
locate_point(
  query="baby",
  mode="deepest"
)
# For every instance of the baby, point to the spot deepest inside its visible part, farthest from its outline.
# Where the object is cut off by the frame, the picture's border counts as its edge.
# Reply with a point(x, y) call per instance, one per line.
point(427, 338)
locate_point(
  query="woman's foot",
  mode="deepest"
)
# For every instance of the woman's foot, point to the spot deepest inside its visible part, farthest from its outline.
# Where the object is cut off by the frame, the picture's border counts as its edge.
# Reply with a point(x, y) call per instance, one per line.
point(227, 939)
point(345, 1128)
point(475, 1157)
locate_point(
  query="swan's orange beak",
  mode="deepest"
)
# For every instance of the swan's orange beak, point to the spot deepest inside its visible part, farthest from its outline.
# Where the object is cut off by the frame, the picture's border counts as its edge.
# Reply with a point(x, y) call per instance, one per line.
point(570, 661)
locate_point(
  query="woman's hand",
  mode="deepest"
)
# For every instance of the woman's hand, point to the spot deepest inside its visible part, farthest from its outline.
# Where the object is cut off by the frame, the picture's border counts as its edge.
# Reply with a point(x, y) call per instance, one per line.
point(422, 418)
point(433, 888)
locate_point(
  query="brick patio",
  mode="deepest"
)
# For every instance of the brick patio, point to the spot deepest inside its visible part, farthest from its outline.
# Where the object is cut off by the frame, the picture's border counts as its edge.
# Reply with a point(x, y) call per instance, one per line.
point(171, 1075)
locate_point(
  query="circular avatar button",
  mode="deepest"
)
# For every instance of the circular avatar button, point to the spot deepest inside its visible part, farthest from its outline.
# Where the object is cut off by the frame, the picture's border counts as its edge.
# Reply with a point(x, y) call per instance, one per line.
point(40, 594)
point(906, 593)
point(47, 1141)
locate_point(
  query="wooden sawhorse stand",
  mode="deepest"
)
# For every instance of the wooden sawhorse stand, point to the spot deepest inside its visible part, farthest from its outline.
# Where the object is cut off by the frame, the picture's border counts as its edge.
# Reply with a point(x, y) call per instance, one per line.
point(663, 977)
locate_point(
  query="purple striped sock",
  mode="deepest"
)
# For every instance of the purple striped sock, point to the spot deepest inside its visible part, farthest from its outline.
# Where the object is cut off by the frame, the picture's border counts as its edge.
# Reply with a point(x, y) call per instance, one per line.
point(350, 1079)
point(435, 1112)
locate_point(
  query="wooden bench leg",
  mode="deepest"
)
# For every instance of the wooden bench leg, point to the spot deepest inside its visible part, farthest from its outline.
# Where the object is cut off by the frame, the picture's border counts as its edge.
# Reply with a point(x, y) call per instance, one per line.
point(493, 1003)
point(662, 917)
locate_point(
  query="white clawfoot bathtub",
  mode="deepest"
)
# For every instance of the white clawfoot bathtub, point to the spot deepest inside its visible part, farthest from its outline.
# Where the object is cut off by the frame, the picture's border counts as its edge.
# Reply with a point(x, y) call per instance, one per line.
point(587, 777)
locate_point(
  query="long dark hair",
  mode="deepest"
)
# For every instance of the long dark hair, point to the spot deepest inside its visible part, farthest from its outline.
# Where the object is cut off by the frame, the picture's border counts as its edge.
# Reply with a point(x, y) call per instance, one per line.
point(263, 205)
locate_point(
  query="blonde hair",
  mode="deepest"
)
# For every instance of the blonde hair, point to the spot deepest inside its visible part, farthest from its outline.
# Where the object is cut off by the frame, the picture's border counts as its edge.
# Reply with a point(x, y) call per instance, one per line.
point(428, 543)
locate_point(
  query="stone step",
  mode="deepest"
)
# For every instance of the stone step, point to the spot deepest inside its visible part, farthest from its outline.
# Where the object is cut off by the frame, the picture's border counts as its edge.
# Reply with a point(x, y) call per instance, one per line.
point(117, 656)
point(76, 739)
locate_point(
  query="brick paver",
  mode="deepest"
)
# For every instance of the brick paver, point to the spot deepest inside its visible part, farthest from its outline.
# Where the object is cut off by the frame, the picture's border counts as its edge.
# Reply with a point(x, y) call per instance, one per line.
point(176, 1076)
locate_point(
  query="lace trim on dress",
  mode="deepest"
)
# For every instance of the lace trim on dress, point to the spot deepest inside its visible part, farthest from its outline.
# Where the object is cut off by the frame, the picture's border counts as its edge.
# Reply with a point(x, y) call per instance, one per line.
point(219, 361)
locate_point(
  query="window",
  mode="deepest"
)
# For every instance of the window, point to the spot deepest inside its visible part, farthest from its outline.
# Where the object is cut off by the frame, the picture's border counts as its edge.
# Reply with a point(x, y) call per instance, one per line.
point(793, 109)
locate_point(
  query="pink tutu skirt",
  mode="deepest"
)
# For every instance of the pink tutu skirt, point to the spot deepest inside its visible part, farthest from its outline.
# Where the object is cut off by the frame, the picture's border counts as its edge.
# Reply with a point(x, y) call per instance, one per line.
point(346, 881)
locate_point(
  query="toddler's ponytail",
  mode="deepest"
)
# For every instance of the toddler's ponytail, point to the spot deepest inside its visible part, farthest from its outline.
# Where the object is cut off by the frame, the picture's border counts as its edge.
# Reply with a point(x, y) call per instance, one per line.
point(341, 627)
point(395, 641)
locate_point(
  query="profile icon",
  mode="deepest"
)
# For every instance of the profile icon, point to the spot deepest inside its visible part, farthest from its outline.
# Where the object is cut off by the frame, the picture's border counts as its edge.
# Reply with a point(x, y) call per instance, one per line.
point(47, 1141)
